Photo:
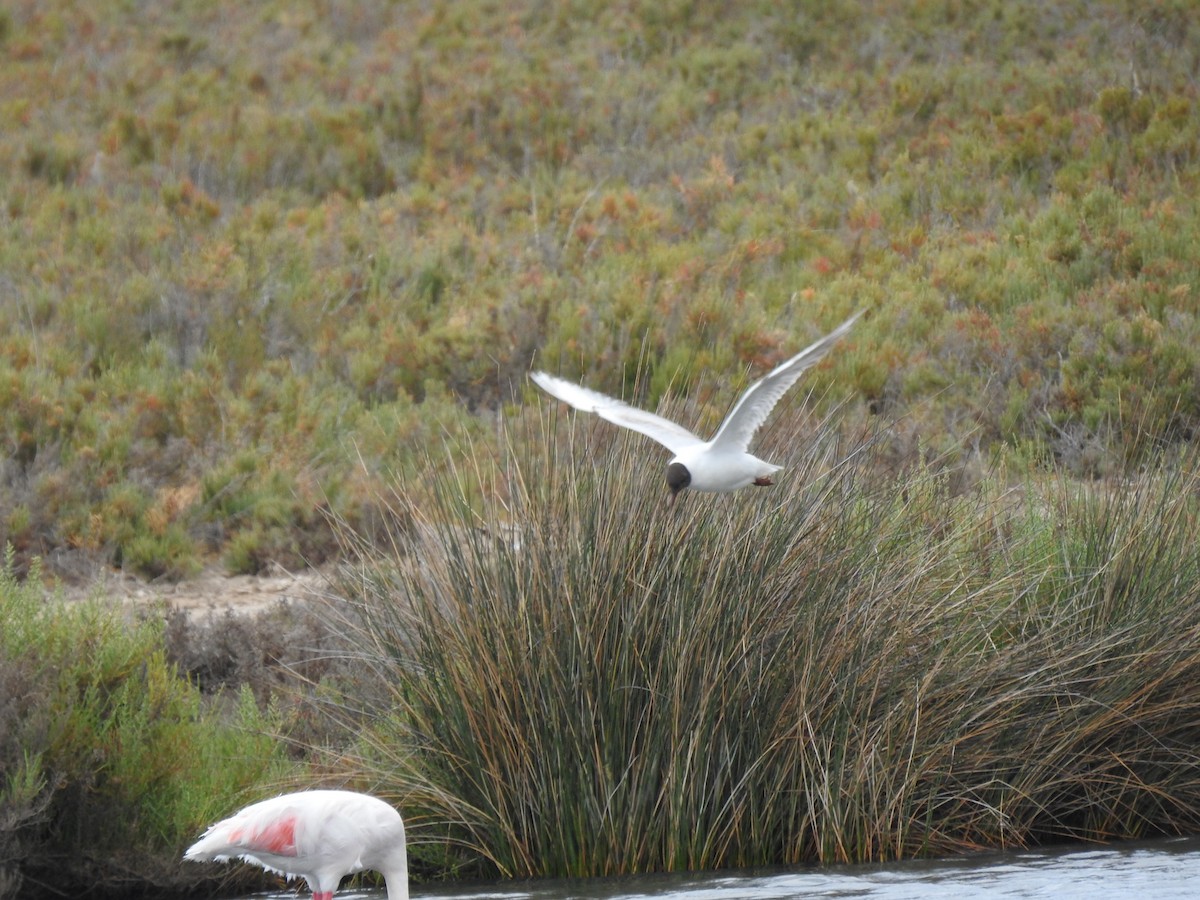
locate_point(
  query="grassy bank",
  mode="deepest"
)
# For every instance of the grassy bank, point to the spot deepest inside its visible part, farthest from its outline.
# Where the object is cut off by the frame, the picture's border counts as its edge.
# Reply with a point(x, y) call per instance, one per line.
point(843, 668)
point(253, 258)
point(563, 674)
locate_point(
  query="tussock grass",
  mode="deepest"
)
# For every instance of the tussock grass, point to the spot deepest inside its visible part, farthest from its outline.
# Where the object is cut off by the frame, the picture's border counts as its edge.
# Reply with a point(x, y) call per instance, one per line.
point(585, 679)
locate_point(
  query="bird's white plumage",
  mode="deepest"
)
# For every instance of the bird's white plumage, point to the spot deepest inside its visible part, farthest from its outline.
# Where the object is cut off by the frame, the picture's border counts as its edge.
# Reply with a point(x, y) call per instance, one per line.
point(723, 463)
point(760, 398)
point(318, 835)
point(674, 437)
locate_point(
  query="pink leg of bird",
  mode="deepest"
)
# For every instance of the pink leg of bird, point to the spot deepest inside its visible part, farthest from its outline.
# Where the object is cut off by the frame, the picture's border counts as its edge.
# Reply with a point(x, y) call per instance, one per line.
point(763, 481)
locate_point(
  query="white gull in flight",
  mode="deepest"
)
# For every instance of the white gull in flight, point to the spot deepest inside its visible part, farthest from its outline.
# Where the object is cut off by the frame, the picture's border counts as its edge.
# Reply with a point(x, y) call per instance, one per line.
point(723, 463)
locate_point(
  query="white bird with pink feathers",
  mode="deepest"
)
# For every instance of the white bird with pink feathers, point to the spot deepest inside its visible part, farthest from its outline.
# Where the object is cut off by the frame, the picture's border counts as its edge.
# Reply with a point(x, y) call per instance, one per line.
point(318, 835)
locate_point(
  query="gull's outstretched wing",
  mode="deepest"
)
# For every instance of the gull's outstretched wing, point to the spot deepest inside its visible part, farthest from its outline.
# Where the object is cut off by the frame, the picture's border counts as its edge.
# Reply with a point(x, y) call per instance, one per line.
point(674, 437)
point(760, 398)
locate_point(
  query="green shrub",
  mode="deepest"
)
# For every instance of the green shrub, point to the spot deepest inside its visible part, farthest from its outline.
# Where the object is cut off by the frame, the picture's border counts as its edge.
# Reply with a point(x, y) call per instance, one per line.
point(108, 761)
point(170, 554)
point(57, 162)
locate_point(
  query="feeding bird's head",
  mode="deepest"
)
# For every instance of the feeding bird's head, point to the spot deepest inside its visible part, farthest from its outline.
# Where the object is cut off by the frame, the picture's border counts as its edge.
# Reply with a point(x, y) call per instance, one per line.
point(678, 477)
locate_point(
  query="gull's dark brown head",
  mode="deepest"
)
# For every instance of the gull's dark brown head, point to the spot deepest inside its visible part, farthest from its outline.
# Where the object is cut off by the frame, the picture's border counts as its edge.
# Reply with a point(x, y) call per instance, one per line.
point(678, 477)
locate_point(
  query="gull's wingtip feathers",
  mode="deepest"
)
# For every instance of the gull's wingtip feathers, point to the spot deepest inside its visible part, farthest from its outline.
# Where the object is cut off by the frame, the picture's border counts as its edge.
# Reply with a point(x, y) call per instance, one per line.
point(841, 331)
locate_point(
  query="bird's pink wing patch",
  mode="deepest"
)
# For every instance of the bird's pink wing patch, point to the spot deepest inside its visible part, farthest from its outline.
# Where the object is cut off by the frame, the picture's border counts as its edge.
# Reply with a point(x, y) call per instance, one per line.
point(278, 837)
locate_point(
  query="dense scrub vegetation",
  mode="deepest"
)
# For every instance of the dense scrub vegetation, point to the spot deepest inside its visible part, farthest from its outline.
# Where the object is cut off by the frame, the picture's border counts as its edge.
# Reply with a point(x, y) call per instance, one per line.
point(254, 257)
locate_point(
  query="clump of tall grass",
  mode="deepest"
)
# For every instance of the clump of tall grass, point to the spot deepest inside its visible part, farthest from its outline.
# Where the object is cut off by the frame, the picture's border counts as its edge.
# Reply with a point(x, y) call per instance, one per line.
point(586, 679)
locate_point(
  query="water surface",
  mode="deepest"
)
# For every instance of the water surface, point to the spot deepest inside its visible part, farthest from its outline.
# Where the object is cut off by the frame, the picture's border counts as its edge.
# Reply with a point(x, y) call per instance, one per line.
point(1163, 870)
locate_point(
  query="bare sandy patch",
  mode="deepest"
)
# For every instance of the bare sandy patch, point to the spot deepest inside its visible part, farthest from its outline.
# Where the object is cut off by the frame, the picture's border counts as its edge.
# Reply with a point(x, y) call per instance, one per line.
point(212, 591)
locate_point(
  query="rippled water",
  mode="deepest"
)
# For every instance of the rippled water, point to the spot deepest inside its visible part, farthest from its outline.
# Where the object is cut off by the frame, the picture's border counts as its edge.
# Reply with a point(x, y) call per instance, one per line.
point(1162, 870)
